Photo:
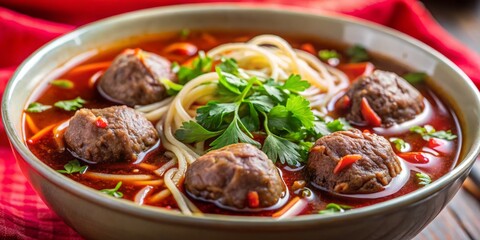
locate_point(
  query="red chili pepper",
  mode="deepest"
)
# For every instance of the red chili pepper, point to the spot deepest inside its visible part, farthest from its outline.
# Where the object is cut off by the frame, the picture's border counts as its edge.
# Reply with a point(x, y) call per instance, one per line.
point(369, 115)
point(182, 48)
point(355, 70)
point(414, 157)
point(253, 201)
point(346, 161)
point(101, 122)
point(433, 143)
point(308, 47)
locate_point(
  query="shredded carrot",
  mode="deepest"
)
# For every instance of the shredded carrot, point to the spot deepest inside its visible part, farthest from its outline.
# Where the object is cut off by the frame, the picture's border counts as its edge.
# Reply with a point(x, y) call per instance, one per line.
point(308, 47)
point(147, 166)
point(31, 125)
point(182, 48)
point(286, 208)
point(91, 67)
point(40, 134)
point(93, 79)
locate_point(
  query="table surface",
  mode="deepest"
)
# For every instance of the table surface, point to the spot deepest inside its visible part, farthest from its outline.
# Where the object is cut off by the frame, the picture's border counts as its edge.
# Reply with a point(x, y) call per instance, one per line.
point(461, 218)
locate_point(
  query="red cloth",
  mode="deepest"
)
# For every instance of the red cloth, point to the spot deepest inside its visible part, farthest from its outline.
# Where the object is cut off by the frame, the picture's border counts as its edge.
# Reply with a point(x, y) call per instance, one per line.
point(22, 214)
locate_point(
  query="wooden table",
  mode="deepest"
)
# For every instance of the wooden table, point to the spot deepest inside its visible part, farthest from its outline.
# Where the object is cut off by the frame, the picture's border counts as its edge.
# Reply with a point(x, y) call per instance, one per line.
point(461, 218)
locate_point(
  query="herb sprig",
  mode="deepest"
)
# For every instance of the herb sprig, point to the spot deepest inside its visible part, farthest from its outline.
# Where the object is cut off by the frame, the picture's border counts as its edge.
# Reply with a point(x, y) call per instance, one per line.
point(114, 191)
point(271, 109)
point(70, 105)
point(334, 208)
point(36, 107)
point(428, 132)
point(423, 179)
point(73, 167)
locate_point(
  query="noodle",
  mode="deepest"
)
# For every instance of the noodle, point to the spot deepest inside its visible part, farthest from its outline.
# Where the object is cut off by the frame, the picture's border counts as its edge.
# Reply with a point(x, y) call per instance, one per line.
point(140, 196)
point(118, 177)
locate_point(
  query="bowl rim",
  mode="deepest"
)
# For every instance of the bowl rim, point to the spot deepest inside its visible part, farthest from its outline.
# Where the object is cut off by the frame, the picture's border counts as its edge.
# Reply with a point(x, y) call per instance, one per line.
point(166, 216)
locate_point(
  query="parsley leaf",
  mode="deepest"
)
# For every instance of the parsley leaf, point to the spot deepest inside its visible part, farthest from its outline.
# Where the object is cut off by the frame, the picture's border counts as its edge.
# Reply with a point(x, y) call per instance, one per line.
point(230, 81)
point(428, 132)
point(172, 88)
point(191, 132)
point(334, 208)
point(328, 54)
point(229, 65)
point(114, 191)
point(357, 53)
point(423, 179)
point(300, 108)
point(338, 125)
point(73, 167)
point(295, 84)
point(62, 83)
point(279, 148)
point(400, 145)
point(36, 107)
point(233, 134)
point(184, 33)
point(70, 105)
point(212, 115)
point(415, 77)
point(200, 65)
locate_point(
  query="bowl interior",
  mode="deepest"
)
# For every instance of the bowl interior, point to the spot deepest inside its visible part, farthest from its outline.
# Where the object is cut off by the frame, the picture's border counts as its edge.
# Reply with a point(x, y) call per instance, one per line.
point(51, 60)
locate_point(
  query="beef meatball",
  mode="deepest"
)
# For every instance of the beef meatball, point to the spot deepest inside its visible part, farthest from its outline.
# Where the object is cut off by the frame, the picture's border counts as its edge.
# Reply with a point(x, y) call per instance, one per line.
point(111, 134)
point(134, 78)
point(375, 169)
point(392, 98)
point(227, 175)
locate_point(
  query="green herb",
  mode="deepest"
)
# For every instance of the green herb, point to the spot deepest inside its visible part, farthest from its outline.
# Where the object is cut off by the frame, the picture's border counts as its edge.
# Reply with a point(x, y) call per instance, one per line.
point(400, 145)
point(73, 167)
point(62, 83)
point(184, 33)
point(36, 107)
point(423, 179)
point(334, 208)
point(268, 108)
point(357, 53)
point(415, 77)
point(338, 125)
point(428, 132)
point(172, 88)
point(113, 191)
point(328, 54)
point(70, 105)
point(200, 65)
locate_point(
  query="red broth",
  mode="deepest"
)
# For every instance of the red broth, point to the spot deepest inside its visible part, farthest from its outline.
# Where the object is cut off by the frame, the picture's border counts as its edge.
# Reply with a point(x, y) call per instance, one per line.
point(441, 117)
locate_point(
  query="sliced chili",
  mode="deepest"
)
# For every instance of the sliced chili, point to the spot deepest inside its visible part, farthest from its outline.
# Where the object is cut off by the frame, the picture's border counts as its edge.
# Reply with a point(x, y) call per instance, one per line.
point(253, 200)
point(414, 157)
point(369, 115)
point(346, 161)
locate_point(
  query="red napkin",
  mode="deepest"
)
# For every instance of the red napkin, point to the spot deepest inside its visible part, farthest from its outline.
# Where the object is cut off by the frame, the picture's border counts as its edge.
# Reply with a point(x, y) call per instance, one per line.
point(22, 214)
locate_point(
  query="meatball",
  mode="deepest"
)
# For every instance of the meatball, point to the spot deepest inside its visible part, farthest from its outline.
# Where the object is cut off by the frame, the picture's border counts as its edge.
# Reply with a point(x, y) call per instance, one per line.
point(392, 98)
point(134, 78)
point(227, 175)
point(111, 134)
point(375, 169)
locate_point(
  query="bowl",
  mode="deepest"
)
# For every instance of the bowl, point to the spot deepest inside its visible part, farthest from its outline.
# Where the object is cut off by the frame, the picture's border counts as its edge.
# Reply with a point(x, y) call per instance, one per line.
point(96, 216)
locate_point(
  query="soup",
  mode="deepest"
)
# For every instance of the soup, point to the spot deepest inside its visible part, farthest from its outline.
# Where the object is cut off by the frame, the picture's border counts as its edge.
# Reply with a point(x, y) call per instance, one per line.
point(243, 124)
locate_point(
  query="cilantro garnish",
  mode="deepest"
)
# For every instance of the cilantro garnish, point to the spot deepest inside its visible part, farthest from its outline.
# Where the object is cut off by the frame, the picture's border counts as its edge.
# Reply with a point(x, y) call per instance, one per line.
point(338, 125)
point(423, 179)
point(62, 83)
point(36, 107)
point(399, 144)
point(334, 208)
point(415, 77)
point(70, 105)
point(428, 132)
point(200, 65)
point(114, 191)
point(269, 108)
point(172, 88)
point(328, 54)
point(357, 53)
point(73, 167)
